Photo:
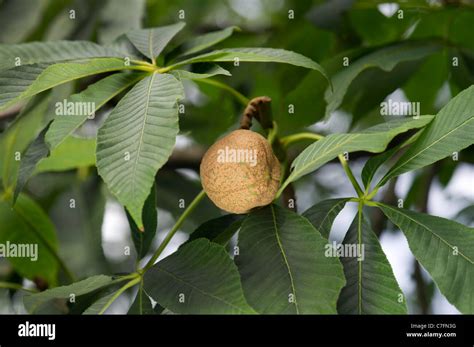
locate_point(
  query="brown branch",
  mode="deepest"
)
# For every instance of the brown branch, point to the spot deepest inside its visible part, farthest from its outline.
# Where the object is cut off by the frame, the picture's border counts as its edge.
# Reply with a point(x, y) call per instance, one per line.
point(260, 109)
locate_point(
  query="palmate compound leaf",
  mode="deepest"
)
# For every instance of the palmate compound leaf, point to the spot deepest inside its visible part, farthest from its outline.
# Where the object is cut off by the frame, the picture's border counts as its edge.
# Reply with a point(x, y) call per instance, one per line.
point(283, 266)
point(451, 130)
point(54, 139)
point(371, 286)
point(374, 139)
point(255, 54)
point(52, 52)
point(199, 278)
point(137, 138)
point(23, 82)
point(151, 42)
point(445, 249)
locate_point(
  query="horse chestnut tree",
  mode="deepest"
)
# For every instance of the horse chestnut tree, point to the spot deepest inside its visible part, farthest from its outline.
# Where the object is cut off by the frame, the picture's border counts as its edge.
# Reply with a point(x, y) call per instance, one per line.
point(249, 247)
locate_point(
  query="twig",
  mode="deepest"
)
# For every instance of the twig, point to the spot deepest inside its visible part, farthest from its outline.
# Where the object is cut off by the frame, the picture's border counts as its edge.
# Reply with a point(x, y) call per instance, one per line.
point(174, 229)
point(259, 108)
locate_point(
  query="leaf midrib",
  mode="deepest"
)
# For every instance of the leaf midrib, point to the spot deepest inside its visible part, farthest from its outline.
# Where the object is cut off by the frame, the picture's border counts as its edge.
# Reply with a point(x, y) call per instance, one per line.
point(280, 245)
point(431, 231)
point(117, 92)
point(359, 241)
point(306, 166)
point(400, 166)
point(152, 78)
point(26, 93)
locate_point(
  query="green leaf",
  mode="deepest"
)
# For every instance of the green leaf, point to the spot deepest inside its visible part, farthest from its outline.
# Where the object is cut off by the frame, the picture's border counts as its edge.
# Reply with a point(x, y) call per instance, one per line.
point(118, 17)
point(214, 71)
point(374, 139)
point(202, 128)
point(52, 52)
point(142, 304)
point(202, 42)
point(71, 154)
point(14, 30)
point(424, 86)
point(466, 215)
point(385, 59)
point(374, 163)
point(25, 81)
point(323, 214)
point(151, 42)
point(374, 28)
point(174, 188)
point(254, 55)
point(36, 151)
point(282, 264)
point(137, 138)
point(18, 136)
point(371, 286)
point(27, 223)
point(204, 273)
point(143, 238)
point(98, 93)
point(450, 131)
point(445, 249)
point(219, 230)
point(34, 302)
point(81, 227)
point(15, 81)
point(98, 305)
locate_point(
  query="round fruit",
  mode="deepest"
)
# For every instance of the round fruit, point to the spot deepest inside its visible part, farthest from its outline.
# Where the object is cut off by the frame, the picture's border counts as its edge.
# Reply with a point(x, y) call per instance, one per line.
point(240, 172)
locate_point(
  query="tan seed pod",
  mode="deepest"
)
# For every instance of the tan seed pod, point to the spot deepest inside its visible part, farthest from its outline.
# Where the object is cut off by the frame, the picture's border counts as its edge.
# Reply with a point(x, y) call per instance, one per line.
point(240, 172)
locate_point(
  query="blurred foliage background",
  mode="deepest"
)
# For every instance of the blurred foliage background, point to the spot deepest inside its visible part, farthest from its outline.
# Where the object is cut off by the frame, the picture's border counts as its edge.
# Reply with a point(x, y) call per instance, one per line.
point(94, 235)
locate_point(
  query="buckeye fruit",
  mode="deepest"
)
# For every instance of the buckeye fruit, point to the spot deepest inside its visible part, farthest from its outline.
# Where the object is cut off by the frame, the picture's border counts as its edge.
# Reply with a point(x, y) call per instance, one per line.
point(240, 172)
